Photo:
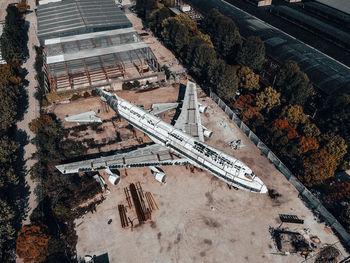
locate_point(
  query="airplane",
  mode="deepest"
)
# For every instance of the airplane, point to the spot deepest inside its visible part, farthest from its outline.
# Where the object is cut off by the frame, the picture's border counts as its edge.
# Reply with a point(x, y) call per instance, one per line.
point(179, 144)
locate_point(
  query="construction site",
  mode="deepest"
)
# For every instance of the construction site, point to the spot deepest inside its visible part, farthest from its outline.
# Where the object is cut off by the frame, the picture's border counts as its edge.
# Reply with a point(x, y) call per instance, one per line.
point(92, 43)
point(194, 216)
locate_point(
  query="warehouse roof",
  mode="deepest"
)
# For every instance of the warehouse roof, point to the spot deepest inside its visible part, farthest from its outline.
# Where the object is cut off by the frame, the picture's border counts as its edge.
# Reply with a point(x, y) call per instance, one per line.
point(73, 17)
point(342, 5)
point(329, 11)
point(313, 23)
point(326, 73)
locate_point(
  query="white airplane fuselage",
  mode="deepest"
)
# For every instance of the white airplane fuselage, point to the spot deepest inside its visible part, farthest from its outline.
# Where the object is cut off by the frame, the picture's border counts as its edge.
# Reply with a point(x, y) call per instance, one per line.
point(220, 164)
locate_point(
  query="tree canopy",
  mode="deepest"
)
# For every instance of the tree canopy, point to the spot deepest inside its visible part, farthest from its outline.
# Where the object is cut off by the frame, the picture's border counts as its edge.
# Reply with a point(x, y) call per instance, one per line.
point(224, 34)
point(248, 80)
point(14, 37)
point(294, 114)
point(293, 84)
point(252, 53)
point(318, 167)
point(33, 243)
point(268, 99)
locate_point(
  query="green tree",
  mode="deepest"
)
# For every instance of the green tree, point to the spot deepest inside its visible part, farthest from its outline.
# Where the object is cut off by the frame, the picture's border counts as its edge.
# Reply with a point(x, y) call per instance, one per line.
point(224, 34)
point(14, 36)
point(318, 167)
point(156, 20)
point(9, 76)
point(248, 80)
point(7, 230)
point(268, 99)
point(224, 80)
point(33, 243)
point(7, 175)
point(175, 34)
point(8, 105)
point(7, 149)
point(145, 7)
point(293, 84)
point(252, 53)
point(335, 117)
point(203, 57)
point(294, 114)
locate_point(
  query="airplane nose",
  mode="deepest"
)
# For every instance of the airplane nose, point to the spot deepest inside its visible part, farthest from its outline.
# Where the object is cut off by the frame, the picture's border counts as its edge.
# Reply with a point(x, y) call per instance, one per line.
point(263, 190)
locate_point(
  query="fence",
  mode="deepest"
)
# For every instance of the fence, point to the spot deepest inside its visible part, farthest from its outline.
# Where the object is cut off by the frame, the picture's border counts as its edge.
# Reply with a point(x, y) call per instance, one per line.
point(309, 199)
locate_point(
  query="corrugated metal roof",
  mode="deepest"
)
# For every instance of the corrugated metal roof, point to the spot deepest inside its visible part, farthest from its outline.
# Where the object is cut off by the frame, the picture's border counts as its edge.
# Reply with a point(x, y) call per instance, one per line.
point(73, 17)
point(343, 5)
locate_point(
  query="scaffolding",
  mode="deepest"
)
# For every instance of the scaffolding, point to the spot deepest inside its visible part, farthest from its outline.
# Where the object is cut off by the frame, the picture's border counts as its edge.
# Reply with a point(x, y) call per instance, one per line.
point(95, 58)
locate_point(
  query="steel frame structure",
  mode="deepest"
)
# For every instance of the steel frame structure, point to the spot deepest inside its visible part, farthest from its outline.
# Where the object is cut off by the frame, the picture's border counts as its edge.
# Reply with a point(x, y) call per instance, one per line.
point(95, 58)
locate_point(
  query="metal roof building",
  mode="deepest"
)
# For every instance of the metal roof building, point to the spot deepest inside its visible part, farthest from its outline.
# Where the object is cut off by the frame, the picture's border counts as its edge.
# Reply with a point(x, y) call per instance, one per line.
point(342, 5)
point(326, 73)
point(95, 58)
point(314, 25)
point(72, 17)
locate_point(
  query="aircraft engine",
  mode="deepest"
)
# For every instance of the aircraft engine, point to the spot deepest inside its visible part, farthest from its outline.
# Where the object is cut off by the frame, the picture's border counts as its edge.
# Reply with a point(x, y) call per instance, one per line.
point(158, 174)
point(202, 109)
point(206, 132)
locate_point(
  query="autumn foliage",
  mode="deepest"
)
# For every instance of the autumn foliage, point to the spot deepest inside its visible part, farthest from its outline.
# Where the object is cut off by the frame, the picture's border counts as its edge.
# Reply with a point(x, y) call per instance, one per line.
point(284, 125)
point(339, 191)
point(32, 243)
point(317, 168)
point(246, 104)
point(307, 144)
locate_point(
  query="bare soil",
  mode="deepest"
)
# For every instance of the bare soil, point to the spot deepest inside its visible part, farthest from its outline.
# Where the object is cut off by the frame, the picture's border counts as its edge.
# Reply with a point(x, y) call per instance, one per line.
point(199, 218)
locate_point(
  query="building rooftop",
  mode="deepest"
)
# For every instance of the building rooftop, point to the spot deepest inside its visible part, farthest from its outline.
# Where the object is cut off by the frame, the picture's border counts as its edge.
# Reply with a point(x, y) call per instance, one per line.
point(326, 73)
point(73, 17)
point(342, 5)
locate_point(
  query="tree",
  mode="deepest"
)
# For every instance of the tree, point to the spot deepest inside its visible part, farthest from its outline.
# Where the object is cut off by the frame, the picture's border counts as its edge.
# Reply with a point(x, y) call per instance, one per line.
point(145, 7)
point(248, 80)
point(334, 145)
point(335, 117)
point(246, 104)
point(224, 80)
point(8, 105)
point(175, 34)
point(156, 19)
point(285, 126)
point(32, 243)
point(7, 175)
point(307, 144)
point(224, 34)
point(14, 36)
point(7, 149)
point(317, 167)
point(294, 114)
point(268, 99)
point(293, 84)
point(22, 7)
point(252, 53)
point(9, 76)
point(7, 230)
point(310, 129)
point(203, 57)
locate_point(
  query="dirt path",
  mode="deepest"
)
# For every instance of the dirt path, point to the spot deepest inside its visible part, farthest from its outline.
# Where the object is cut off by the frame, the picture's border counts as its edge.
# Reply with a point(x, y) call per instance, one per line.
point(33, 106)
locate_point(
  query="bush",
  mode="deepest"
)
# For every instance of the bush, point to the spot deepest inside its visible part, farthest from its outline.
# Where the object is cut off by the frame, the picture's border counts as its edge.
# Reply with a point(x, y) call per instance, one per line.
point(75, 97)
point(127, 86)
point(86, 94)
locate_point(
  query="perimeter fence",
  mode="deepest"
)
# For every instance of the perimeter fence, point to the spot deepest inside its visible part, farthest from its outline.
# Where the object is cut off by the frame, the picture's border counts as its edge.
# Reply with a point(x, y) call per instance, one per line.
point(308, 198)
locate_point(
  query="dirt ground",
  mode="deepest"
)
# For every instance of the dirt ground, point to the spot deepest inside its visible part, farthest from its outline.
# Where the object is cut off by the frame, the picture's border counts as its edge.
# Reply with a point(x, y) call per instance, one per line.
point(164, 55)
point(199, 218)
point(108, 130)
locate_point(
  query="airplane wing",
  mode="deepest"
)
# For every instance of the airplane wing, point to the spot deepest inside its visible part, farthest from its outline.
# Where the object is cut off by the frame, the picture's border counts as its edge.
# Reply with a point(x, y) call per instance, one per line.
point(152, 155)
point(189, 120)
